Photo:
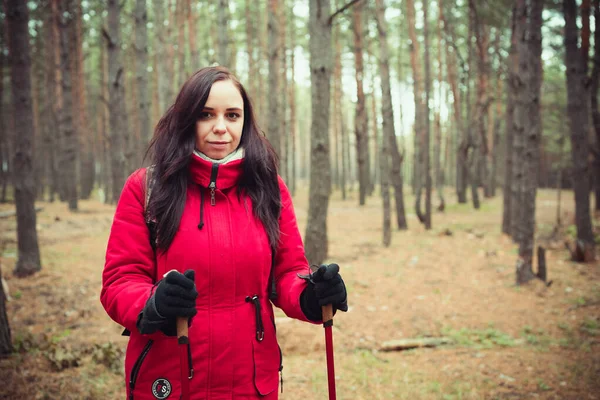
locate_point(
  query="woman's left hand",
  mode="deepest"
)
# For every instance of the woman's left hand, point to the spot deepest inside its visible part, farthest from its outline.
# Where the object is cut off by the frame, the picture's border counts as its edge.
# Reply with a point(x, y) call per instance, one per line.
point(325, 286)
point(329, 287)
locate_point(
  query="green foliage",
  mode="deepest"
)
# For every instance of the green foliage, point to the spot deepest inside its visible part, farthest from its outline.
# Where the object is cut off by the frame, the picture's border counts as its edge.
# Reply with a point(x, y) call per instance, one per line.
point(542, 385)
point(108, 354)
point(590, 326)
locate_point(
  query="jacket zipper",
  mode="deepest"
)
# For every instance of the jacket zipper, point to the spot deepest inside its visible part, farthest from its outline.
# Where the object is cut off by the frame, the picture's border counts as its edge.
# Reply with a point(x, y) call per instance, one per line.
point(280, 357)
point(213, 183)
point(136, 367)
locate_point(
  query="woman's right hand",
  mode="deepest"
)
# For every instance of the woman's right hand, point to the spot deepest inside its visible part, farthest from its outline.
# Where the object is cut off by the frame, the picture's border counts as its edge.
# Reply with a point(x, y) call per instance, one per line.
point(176, 294)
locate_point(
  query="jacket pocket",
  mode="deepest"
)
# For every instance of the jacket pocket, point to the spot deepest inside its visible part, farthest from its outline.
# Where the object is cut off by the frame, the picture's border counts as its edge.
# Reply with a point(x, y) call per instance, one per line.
point(137, 366)
point(156, 373)
point(266, 364)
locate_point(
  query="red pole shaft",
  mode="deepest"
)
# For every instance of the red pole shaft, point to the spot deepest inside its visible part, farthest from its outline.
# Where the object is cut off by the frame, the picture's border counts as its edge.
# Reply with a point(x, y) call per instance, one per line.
point(328, 325)
point(330, 367)
point(182, 339)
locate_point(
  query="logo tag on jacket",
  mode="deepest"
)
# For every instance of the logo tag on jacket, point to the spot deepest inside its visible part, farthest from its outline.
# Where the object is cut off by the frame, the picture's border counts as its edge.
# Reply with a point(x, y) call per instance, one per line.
point(161, 388)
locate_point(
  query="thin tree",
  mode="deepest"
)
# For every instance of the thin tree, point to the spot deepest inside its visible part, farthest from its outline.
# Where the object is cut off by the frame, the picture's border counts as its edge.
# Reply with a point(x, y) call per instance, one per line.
point(141, 51)
point(389, 142)
point(118, 125)
point(595, 84)
point(85, 153)
point(4, 139)
point(511, 87)
point(223, 33)
point(158, 8)
point(437, 147)
point(528, 114)
point(418, 95)
point(68, 134)
point(451, 61)
point(292, 96)
point(361, 129)
point(427, 130)
point(321, 62)
point(6, 346)
point(274, 133)
point(17, 20)
point(577, 95)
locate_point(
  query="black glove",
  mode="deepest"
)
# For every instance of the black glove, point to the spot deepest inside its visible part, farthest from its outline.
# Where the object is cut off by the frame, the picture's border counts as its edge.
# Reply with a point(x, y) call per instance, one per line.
point(325, 286)
point(175, 296)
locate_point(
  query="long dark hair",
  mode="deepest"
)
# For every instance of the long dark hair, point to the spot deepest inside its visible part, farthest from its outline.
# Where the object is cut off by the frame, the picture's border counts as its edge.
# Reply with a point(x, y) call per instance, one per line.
point(172, 146)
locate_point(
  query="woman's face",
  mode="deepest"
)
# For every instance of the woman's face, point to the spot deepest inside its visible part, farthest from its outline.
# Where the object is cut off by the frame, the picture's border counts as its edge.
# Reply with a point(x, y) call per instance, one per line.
point(219, 128)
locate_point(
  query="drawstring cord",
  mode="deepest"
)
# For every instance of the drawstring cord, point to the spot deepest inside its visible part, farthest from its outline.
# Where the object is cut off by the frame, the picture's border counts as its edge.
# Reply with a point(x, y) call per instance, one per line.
point(260, 331)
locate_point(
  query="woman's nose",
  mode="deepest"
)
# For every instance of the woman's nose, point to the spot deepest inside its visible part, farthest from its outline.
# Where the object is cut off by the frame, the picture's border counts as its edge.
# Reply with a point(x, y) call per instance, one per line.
point(219, 126)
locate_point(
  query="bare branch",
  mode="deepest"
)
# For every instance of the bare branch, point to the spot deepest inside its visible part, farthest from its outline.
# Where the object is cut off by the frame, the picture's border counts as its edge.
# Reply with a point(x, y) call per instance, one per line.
point(341, 10)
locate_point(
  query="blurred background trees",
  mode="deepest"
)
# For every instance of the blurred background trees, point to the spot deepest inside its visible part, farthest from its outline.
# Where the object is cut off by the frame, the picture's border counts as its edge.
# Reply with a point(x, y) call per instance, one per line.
point(358, 97)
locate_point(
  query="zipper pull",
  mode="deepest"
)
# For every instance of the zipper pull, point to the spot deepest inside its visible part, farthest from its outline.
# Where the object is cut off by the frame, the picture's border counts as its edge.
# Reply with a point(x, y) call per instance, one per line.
point(212, 188)
point(213, 183)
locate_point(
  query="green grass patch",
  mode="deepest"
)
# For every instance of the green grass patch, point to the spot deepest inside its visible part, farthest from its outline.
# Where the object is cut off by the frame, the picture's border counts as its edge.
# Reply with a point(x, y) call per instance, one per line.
point(479, 338)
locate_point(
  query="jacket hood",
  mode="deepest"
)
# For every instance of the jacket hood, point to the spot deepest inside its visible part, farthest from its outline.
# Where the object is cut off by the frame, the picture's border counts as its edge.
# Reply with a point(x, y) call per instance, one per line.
point(227, 174)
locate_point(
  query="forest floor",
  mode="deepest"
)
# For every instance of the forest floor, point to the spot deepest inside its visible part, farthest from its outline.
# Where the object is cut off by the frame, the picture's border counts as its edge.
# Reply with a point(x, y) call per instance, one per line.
point(508, 342)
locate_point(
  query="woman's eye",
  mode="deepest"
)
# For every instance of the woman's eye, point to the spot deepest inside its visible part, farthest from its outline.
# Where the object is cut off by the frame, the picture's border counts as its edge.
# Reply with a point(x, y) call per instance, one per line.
point(233, 116)
point(205, 115)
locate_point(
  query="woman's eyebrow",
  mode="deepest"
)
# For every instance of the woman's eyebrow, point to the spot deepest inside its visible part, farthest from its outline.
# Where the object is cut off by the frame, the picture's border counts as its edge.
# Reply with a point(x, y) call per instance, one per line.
point(228, 109)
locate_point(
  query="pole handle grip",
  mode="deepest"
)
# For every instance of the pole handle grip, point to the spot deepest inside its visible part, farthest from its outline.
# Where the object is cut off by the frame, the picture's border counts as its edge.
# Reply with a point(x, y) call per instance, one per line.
point(327, 311)
point(182, 327)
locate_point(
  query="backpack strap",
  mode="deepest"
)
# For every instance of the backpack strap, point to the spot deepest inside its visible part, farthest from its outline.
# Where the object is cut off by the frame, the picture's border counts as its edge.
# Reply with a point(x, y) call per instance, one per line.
point(150, 222)
point(273, 291)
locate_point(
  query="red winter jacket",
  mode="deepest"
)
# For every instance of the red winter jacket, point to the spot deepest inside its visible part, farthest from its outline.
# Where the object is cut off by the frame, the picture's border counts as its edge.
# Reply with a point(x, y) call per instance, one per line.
point(232, 259)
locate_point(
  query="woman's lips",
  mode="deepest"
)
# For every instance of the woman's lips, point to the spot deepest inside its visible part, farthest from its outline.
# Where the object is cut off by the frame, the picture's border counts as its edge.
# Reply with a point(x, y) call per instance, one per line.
point(219, 145)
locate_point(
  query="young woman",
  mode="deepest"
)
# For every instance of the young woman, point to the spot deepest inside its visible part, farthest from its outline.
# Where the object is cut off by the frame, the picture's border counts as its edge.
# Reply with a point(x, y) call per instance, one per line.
point(225, 246)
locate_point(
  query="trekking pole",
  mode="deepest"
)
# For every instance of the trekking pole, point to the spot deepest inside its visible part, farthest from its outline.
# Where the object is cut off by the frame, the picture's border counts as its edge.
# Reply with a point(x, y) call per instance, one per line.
point(185, 356)
point(328, 325)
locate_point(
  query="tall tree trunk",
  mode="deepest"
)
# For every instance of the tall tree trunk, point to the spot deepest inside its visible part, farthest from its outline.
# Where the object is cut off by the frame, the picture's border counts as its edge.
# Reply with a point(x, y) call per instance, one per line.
point(462, 150)
point(118, 126)
point(141, 51)
point(481, 34)
point(6, 346)
point(53, 140)
point(511, 90)
point(595, 83)
point(491, 126)
point(263, 54)
point(170, 81)
point(361, 126)
point(530, 70)
point(472, 140)
point(320, 171)
point(274, 133)
point(427, 130)
point(577, 95)
point(191, 21)
point(159, 51)
point(376, 167)
point(389, 147)
point(283, 98)
point(181, 42)
point(437, 168)
point(250, 37)
point(86, 155)
point(4, 153)
point(336, 107)
point(292, 95)
point(69, 137)
point(223, 36)
point(17, 20)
